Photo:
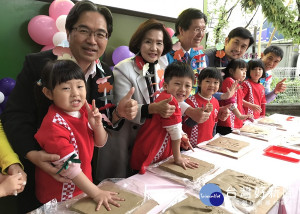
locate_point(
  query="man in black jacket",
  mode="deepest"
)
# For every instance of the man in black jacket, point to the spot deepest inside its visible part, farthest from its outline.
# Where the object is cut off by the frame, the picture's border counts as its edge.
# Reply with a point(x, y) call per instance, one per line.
point(236, 44)
point(88, 28)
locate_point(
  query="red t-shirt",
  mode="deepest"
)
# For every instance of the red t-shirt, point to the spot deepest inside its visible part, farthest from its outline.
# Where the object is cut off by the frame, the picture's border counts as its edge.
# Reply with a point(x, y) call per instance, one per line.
point(232, 121)
point(254, 93)
point(55, 137)
point(153, 143)
point(202, 131)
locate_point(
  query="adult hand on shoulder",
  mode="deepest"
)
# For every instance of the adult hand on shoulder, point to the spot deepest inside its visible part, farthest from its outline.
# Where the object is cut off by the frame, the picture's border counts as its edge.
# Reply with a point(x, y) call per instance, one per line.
point(17, 169)
point(128, 107)
point(280, 86)
point(163, 108)
point(43, 160)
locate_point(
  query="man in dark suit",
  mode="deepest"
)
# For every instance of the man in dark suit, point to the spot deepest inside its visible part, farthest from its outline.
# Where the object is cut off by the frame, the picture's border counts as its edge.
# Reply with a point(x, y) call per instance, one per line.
point(88, 28)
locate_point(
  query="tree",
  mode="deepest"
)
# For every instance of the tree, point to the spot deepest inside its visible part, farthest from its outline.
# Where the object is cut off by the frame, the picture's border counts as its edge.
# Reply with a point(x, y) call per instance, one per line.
point(225, 13)
point(285, 19)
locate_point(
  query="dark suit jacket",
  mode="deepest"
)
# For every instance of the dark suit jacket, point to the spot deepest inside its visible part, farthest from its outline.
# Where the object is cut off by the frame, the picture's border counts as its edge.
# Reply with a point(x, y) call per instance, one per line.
point(27, 106)
point(24, 112)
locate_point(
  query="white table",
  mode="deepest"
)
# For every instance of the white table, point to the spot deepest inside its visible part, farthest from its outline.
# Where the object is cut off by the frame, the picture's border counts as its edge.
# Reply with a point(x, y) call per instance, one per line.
point(254, 163)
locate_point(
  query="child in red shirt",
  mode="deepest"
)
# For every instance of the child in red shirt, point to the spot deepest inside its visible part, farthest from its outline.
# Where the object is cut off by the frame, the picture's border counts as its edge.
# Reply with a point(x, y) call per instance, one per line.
point(235, 70)
point(209, 81)
point(254, 92)
point(160, 137)
point(70, 129)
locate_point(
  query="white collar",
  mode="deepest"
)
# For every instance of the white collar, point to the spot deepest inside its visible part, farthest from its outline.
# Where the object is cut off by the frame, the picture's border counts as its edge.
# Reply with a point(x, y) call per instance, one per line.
point(91, 70)
point(74, 114)
point(208, 99)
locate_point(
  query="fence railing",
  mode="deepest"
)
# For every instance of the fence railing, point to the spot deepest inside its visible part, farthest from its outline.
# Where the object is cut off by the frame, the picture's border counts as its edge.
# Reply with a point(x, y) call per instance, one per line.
point(292, 92)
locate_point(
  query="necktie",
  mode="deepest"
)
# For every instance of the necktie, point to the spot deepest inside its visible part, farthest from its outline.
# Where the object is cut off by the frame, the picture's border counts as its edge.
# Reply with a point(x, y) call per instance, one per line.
point(186, 57)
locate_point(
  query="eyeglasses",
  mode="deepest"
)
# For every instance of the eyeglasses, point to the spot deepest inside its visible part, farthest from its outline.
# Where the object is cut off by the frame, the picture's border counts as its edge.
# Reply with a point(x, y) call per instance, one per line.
point(200, 30)
point(86, 32)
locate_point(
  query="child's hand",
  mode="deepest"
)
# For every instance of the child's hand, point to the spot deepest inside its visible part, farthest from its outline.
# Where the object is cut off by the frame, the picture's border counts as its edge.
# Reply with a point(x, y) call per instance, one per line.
point(11, 185)
point(106, 198)
point(255, 108)
point(230, 91)
point(224, 112)
point(186, 163)
point(95, 117)
point(185, 143)
point(244, 117)
point(209, 107)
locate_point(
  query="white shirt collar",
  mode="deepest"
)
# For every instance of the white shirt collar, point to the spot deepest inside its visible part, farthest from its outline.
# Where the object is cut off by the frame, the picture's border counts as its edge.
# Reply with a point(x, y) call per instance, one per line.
point(91, 71)
point(208, 99)
point(74, 114)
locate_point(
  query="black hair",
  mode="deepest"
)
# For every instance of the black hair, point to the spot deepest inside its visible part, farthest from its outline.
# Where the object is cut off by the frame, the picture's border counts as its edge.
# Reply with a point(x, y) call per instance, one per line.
point(178, 69)
point(234, 64)
point(241, 32)
point(254, 63)
point(60, 71)
point(274, 49)
point(184, 20)
point(85, 6)
point(209, 72)
point(138, 36)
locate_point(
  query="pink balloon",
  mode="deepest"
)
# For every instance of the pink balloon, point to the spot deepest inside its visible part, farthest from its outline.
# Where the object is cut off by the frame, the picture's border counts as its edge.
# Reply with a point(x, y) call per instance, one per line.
point(41, 29)
point(60, 7)
point(47, 47)
point(170, 31)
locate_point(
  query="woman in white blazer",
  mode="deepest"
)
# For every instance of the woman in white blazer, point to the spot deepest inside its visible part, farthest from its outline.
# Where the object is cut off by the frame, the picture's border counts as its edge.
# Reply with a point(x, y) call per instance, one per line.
point(149, 42)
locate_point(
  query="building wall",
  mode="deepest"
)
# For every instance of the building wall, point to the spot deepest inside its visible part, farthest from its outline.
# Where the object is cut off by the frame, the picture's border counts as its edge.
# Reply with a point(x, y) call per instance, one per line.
point(15, 41)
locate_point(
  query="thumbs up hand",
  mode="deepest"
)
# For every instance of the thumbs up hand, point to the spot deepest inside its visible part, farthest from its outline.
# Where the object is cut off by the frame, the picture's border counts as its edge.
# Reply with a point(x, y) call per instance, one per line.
point(163, 108)
point(209, 107)
point(127, 107)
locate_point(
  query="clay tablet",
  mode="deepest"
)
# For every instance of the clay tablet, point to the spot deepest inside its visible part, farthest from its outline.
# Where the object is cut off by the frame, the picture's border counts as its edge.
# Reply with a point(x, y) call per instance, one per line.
point(191, 174)
point(241, 185)
point(86, 205)
point(269, 121)
point(255, 130)
point(229, 144)
point(194, 205)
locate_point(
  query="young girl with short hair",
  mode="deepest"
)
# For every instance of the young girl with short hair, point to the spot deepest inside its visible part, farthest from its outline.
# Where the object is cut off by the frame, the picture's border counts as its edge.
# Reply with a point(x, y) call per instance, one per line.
point(254, 92)
point(71, 129)
point(235, 70)
point(209, 81)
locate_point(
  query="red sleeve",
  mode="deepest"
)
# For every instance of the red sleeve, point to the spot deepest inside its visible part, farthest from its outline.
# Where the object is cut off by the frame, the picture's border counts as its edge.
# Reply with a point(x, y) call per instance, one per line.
point(227, 84)
point(54, 139)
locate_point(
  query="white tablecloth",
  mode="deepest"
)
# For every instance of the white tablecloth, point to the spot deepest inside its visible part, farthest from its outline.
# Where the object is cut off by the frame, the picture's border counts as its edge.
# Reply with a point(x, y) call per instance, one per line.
point(255, 163)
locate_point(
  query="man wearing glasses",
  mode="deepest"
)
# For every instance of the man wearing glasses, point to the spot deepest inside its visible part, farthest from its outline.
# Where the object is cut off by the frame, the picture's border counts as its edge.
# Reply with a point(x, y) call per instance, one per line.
point(88, 28)
point(190, 28)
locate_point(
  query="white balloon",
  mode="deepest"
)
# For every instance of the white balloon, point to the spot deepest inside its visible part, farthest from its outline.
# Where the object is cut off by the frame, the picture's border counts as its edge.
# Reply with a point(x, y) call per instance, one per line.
point(61, 22)
point(59, 37)
point(1, 97)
